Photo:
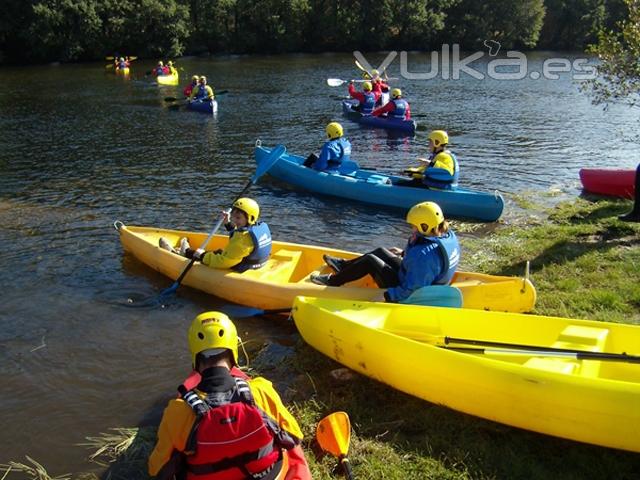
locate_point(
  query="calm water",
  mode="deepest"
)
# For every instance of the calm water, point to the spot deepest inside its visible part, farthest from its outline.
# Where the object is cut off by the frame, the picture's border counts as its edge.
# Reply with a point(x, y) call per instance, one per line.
point(81, 148)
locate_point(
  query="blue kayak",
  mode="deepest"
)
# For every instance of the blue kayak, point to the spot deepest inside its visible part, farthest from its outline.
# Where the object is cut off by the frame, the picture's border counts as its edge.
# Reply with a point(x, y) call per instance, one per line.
point(406, 126)
point(380, 189)
point(203, 106)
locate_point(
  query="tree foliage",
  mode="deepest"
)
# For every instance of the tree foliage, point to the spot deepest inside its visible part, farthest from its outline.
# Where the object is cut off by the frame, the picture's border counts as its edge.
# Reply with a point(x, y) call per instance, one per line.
point(618, 79)
point(68, 30)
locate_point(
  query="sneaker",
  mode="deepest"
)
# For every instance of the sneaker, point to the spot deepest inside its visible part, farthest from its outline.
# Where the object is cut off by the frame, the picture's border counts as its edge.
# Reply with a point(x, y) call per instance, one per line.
point(320, 279)
point(164, 244)
point(334, 262)
point(184, 244)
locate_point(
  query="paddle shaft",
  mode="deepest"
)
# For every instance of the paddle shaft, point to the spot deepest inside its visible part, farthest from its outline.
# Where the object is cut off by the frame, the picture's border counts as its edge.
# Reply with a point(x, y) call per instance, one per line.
point(608, 357)
point(346, 467)
point(532, 349)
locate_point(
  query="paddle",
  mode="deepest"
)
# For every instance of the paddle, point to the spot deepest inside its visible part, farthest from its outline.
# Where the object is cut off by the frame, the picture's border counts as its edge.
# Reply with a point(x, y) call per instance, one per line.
point(333, 435)
point(262, 168)
point(336, 82)
point(577, 355)
point(532, 349)
point(432, 296)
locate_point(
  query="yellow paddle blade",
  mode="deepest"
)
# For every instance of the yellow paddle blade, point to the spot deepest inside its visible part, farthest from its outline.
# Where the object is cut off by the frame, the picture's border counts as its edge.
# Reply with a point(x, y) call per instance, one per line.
point(108, 58)
point(131, 59)
point(334, 433)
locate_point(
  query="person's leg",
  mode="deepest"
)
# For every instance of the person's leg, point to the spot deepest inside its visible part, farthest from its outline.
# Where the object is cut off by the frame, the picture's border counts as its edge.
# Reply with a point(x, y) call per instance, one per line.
point(311, 159)
point(384, 274)
point(634, 214)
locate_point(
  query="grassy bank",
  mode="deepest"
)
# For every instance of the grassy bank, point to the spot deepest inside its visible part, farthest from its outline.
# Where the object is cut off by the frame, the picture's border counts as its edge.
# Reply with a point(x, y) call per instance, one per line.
point(585, 263)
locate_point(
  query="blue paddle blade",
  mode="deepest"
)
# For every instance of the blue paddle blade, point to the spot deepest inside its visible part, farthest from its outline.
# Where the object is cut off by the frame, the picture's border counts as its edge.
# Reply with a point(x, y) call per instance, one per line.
point(269, 161)
point(170, 290)
point(436, 296)
point(239, 311)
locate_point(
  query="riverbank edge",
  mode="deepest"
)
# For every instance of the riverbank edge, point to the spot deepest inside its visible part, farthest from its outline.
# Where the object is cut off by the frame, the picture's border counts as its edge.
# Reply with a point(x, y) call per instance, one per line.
point(584, 262)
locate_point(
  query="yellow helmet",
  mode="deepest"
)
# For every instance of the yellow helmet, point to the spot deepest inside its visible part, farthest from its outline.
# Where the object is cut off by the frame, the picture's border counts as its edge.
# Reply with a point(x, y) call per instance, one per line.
point(121, 59)
point(396, 93)
point(439, 137)
point(203, 79)
point(425, 216)
point(195, 77)
point(210, 334)
point(250, 207)
point(334, 130)
point(375, 73)
point(366, 76)
point(160, 64)
point(170, 63)
point(366, 86)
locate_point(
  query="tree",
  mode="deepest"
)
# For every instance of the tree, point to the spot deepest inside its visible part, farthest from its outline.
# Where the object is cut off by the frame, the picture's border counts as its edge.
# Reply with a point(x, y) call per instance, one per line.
point(618, 74)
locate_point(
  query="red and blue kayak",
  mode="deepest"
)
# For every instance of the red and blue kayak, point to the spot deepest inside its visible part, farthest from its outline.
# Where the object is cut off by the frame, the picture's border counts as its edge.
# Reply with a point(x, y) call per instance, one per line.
point(614, 183)
point(405, 126)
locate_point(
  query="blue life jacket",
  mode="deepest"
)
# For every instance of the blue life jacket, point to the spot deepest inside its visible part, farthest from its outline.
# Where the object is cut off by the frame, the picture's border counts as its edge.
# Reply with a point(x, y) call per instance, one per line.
point(369, 103)
point(261, 237)
point(122, 65)
point(439, 177)
point(426, 261)
point(333, 153)
point(201, 92)
point(159, 71)
point(400, 110)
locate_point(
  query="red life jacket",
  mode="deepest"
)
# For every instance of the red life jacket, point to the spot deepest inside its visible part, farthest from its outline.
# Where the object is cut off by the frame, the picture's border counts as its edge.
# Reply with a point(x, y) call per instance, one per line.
point(232, 440)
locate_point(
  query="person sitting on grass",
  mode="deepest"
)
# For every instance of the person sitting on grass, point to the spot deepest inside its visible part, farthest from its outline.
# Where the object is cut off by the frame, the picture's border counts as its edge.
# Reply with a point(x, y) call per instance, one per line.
point(228, 425)
point(431, 257)
point(441, 169)
point(397, 108)
point(249, 244)
point(203, 92)
point(334, 151)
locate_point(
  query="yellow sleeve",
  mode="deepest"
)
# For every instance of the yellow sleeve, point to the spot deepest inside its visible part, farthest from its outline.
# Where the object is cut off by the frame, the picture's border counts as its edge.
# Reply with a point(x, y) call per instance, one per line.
point(174, 429)
point(445, 161)
point(239, 246)
point(268, 400)
point(209, 92)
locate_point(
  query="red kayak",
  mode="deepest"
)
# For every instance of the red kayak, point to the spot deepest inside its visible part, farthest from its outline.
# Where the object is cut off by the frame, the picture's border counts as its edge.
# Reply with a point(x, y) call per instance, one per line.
point(616, 183)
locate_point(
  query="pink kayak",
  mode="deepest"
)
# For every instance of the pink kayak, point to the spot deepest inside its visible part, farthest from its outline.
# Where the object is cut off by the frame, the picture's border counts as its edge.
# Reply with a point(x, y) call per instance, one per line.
point(616, 183)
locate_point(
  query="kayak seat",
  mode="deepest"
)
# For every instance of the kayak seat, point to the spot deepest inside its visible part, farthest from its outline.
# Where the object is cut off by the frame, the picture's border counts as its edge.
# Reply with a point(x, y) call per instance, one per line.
point(280, 266)
point(382, 179)
point(575, 337)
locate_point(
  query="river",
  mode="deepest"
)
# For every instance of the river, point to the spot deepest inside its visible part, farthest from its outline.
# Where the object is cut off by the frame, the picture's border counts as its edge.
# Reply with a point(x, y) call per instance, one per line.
point(82, 148)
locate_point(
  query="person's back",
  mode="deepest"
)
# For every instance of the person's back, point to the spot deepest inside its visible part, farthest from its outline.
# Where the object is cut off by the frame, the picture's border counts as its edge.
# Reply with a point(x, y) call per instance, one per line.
point(335, 150)
point(196, 440)
point(367, 98)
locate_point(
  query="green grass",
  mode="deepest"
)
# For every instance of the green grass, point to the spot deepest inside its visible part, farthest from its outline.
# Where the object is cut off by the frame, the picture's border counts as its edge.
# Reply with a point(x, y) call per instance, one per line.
point(585, 263)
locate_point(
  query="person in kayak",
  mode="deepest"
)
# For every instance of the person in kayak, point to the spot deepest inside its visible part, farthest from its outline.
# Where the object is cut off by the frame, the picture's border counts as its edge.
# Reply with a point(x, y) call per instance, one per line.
point(121, 64)
point(159, 70)
point(379, 84)
point(170, 69)
point(249, 244)
point(334, 151)
point(227, 426)
point(397, 108)
point(431, 257)
point(634, 214)
point(441, 169)
point(367, 98)
point(189, 88)
point(203, 93)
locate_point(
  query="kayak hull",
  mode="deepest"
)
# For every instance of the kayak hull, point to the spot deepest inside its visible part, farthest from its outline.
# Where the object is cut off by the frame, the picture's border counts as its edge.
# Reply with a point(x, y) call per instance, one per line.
point(203, 107)
point(589, 401)
point(379, 189)
point(405, 126)
point(615, 183)
point(168, 79)
point(287, 274)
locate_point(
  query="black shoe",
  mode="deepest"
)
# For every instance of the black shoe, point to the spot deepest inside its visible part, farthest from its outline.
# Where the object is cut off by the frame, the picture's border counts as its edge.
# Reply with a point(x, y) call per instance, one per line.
point(319, 279)
point(335, 263)
point(629, 217)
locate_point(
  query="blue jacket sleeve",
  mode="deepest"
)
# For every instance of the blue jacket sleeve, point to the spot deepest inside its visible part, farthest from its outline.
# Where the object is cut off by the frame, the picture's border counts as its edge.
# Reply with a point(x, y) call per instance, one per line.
point(421, 265)
point(323, 160)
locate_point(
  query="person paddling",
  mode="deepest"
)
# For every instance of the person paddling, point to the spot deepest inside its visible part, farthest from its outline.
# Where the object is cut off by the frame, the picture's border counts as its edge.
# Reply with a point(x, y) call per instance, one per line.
point(122, 64)
point(159, 70)
point(202, 93)
point(170, 69)
point(228, 426)
point(249, 244)
point(334, 151)
point(397, 108)
point(431, 257)
point(367, 98)
point(189, 88)
point(441, 169)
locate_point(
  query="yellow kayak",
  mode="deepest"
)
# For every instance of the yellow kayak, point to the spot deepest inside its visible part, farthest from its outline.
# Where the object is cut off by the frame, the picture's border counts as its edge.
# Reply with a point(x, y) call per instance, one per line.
point(122, 71)
point(168, 79)
point(587, 399)
point(287, 273)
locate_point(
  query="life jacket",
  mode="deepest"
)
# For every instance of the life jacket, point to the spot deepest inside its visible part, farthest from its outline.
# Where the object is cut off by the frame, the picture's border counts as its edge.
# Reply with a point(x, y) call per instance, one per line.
point(450, 250)
point(231, 438)
point(344, 152)
point(122, 65)
point(369, 103)
point(441, 179)
point(400, 110)
point(159, 71)
point(201, 92)
point(261, 237)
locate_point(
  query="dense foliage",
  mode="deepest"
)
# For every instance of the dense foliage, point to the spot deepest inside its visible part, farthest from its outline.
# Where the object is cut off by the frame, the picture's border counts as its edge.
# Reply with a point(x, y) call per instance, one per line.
point(67, 30)
point(619, 71)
